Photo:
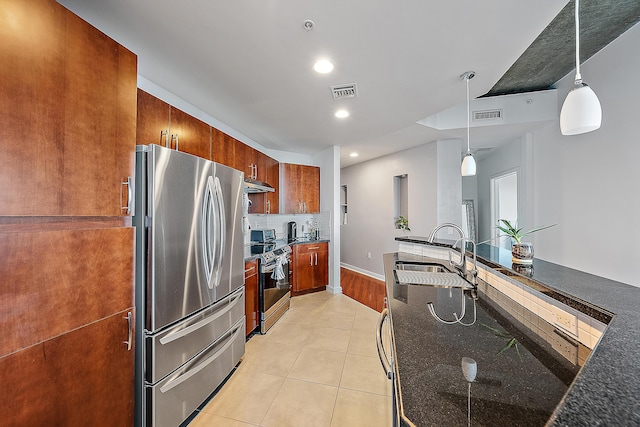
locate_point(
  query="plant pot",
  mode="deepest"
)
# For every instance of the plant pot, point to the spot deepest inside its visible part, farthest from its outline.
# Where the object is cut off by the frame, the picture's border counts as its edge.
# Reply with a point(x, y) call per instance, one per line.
point(522, 253)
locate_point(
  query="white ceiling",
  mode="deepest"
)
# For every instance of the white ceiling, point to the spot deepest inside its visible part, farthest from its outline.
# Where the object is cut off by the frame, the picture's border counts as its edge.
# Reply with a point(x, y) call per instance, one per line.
point(248, 63)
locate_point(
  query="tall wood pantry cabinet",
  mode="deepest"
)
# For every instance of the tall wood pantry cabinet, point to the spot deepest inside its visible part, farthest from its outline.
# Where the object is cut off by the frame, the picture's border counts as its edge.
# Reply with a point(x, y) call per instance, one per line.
point(68, 130)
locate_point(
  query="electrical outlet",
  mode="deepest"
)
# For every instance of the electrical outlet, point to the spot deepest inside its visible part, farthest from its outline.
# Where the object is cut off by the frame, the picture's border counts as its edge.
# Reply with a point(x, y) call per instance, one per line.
point(369, 255)
point(565, 346)
point(568, 322)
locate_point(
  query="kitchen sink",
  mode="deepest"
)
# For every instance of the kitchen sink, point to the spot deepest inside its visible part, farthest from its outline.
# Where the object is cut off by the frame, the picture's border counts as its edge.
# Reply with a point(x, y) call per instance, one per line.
point(426, 267)
point(428, 274)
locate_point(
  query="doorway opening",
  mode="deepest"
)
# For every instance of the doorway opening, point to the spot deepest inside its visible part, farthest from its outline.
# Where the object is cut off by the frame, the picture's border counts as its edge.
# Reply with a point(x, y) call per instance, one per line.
point(504, 204)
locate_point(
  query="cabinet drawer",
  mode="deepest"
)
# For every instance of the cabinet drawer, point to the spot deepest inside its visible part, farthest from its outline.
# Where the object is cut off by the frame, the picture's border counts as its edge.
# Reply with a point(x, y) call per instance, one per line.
point(172, 347)
point(250, 268)
point(311, 247)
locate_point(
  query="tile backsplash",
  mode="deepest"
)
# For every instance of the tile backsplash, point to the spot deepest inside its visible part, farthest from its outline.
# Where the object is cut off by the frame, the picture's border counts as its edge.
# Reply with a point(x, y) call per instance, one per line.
point(279, 222)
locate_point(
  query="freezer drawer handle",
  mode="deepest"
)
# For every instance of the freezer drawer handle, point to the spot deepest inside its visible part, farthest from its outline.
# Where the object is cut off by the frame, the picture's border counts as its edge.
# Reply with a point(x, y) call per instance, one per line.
point(184, 377)
point(382, 354)
point(189, 329)
point(129, 340)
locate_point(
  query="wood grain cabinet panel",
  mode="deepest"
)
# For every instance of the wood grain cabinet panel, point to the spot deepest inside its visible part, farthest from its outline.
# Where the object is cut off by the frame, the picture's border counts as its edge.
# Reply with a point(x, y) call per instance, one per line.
point(189, 135)
point(82, 378)
point(299, 188)
point(152, 120)
point(310, 267)
point(67, 114)
point(56, 281)
point(252, 311)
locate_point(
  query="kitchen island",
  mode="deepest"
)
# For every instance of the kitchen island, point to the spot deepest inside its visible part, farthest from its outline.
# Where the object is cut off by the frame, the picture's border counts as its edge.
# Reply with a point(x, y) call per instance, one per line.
point(601, 388)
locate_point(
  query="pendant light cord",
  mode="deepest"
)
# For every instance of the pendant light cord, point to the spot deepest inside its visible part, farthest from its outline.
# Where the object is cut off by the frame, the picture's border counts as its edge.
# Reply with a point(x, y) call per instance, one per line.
point(578, 76)
point(468, 114)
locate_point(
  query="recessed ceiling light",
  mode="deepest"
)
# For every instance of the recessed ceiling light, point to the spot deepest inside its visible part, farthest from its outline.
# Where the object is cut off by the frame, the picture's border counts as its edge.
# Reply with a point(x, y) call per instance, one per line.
point(341, 114)
point(323, 66)
point(354, 154)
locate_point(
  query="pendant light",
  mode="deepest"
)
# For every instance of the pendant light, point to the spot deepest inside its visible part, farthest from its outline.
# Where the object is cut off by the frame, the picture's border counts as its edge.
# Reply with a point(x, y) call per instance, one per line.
point(581, 111)
point(468, 167)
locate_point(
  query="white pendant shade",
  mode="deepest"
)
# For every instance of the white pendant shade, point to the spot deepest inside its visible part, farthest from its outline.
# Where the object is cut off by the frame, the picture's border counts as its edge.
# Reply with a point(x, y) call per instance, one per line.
point(581, 111)
point(468, 167)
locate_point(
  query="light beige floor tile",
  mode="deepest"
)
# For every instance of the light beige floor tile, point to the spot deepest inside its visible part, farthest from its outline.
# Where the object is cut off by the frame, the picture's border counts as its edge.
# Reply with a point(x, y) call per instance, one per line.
point(302, 315)
point(365, 322)
point(329, 339)
point(338, 320)
point(208, 420)
point(364, 373)
point(272, 358)
point(366, 310)
point(318, 366)
point(363, 344)
point(300, 403)
point(342, 304)
point(246, 397)
point(354, 408)
point(290, 333)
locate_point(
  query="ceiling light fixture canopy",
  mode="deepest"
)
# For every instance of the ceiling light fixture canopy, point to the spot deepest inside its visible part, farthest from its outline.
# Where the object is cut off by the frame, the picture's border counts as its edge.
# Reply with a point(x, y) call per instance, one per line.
point(468, 167)
point(581, 111)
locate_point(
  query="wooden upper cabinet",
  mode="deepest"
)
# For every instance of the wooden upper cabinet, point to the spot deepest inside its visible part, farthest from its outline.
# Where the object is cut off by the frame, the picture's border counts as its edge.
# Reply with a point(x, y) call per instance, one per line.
point(273, 178)
point(153, 120)
point(299, 188)
point(189, 134)
point(67, 114)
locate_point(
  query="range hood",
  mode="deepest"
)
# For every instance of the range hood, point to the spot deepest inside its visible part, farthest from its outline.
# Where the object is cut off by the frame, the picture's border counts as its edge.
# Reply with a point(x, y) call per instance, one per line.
point(255, 186)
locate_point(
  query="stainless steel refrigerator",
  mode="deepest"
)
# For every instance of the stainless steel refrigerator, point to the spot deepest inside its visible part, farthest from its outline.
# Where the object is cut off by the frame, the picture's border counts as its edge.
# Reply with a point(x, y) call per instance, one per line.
point(189, 281)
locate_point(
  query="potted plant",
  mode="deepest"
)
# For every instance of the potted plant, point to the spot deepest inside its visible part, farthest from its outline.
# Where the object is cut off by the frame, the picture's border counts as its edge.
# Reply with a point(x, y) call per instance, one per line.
point(402, 223)
point(521, 252)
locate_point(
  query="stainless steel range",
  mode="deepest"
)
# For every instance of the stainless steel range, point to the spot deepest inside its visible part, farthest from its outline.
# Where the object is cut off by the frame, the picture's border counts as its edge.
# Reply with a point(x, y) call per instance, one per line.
point(274, 284)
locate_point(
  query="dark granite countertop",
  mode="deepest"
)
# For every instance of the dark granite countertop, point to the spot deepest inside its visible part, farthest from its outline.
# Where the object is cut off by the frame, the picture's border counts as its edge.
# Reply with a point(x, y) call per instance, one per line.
point(606, 391)
point(248, 256)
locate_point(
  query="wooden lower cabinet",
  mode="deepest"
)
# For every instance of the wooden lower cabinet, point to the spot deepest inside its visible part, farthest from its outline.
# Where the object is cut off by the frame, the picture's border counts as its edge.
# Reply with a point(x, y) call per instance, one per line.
point(252, 311)
point(81, 378)
point(310, 267)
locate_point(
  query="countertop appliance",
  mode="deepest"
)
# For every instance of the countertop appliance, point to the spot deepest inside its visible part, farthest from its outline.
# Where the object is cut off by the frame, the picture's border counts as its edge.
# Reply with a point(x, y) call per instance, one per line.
point(274, 281)
point(263, 235)
point(189, 281)
point(292, 231)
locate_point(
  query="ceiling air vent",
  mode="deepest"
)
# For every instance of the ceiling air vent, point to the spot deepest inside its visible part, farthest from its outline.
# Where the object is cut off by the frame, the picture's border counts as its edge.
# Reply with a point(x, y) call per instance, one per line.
point(344, 91)
point(487, 115)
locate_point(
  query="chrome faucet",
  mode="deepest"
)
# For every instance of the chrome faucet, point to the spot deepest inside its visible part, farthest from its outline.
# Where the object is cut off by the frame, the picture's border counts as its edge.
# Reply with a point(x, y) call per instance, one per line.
point(432, 236)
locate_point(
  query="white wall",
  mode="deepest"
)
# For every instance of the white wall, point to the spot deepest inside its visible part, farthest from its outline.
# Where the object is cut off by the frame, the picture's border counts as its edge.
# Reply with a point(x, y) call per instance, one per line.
point(371, 225)
point(590, 183)
point(329, 162)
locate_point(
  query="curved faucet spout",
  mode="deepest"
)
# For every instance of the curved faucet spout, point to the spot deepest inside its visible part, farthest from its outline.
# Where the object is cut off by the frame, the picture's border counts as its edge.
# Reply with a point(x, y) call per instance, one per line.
point(432, 236)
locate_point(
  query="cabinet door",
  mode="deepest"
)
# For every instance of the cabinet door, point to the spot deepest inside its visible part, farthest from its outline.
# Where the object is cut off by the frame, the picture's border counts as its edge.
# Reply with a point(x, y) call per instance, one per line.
point(67, 114)
point(57, 281)
point(321, 267)
point(251, 295)
point(222, 148)
point(290, 188)
point(189, 135)
point(311, 188)
point(273, 178)
point(81, 378)
point(153, 120)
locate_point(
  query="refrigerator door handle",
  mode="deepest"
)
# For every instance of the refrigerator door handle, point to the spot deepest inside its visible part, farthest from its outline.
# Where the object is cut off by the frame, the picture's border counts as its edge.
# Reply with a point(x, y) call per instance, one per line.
point(189, 329)
point(208, 230)
point(220, 236)
point(191, 372)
